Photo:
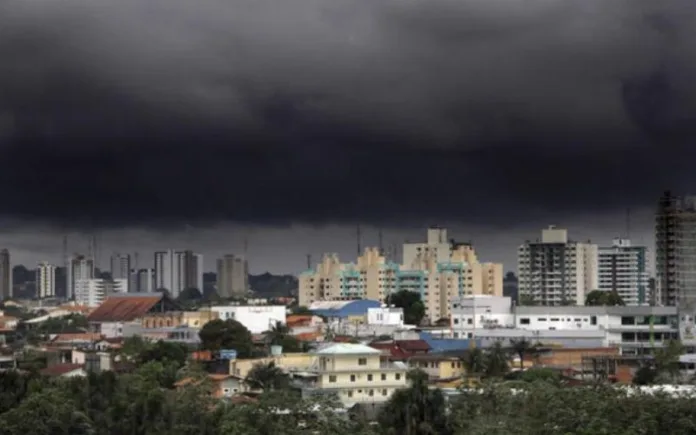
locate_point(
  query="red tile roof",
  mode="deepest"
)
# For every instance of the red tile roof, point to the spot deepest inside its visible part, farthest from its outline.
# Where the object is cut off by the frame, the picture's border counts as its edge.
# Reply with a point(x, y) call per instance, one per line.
point(395, 352)
point(60, 369)
point(87, 336)
point(413, 345)
point(124, 308)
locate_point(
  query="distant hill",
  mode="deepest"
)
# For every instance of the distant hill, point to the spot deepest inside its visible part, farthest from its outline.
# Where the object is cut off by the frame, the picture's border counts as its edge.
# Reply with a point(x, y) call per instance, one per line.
point(269, 285)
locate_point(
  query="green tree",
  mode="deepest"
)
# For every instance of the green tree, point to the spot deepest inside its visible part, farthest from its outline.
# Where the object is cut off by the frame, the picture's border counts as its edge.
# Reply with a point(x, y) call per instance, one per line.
point(164, 352)
point(227, 334)
point(526, 300)
point(301, 310)
point(523, 347)
point(267, 377)
point(410, 302)
point(50, 412)
point(474, 361)
point(603, 298)
point(416, 410)
point(496, 361)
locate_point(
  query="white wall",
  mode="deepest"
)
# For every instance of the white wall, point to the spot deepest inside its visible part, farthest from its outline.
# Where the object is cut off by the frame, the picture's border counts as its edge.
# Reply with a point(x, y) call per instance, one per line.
point(256, 319)
point(385, 316)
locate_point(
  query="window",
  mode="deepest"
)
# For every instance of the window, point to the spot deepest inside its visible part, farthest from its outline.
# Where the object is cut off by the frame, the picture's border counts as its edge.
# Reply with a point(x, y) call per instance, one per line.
point(350, 393)
point(593, 320)
point(332, 378)
point(384, 392)
point(384, 376)
point(362, 361)
point(369, 378)
point(628, 320)
point(352, 378)
point(398, 376)
point(469, 321)
point(371, 393)
point(541, 319)
point(524, 321)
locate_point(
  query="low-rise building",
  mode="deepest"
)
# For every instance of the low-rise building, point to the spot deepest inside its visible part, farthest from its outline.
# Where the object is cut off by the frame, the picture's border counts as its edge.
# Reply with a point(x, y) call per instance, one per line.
point(438, 367)
point(172, 319)
point(633, 329)
point(356, 374)
point(256, 318)
point(120, 315)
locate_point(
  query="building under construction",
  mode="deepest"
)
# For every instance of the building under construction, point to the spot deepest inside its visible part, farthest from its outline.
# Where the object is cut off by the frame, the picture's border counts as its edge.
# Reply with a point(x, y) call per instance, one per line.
point(675, 250)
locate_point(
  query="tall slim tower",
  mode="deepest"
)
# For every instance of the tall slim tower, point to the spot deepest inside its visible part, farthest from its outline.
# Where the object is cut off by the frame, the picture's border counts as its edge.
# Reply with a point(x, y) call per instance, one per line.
point(5, 275)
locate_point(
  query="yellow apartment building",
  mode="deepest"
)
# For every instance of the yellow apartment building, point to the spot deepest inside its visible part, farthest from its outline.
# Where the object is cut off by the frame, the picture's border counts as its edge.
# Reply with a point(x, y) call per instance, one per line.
point(356, 374)
point(438, 367)
point(439, 269)
point(287, 361)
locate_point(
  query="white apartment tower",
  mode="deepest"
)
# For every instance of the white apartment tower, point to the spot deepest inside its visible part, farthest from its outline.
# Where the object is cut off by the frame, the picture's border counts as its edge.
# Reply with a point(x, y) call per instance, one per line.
point(178, 270)
point(45, 280)
point(80, 268)
point(624, 268)
point(120, 266)
point(142, 281)
point(555, 270)
point(232, 276)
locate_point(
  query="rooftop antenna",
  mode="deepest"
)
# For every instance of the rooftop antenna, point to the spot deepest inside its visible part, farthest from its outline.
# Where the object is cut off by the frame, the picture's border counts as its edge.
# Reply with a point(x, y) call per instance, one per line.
point(628, 223)
point(89, 247)
point(135, 261)
point(358, 236)
point(309, 261)
point(381, 244)
point(246, 247)
point(95, 247)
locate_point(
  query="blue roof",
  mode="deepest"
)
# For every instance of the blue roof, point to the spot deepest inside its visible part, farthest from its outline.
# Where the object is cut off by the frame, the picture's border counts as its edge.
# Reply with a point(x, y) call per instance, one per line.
point(446, 344)
point(345, 309)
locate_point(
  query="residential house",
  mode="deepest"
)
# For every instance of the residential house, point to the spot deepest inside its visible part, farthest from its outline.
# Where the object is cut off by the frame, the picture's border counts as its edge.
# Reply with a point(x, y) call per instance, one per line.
point(401, 350)
point(67, 370)
point(287, 361)
point(191, 319)
point(224, 385)
point(438, 367)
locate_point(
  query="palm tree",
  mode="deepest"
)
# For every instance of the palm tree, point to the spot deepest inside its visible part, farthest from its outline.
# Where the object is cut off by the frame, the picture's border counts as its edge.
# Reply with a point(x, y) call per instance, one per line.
point(496, 361)
point(522, 348)
point(267, 377)
point(474, 362)
point(277, 333)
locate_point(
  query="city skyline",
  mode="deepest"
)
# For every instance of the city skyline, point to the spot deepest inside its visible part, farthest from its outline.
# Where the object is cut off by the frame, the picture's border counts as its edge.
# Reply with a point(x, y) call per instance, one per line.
point(284, 250)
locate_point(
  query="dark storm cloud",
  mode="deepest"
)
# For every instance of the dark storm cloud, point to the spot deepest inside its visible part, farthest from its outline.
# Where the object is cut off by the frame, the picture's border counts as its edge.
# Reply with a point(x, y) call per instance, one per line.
point(125, 111)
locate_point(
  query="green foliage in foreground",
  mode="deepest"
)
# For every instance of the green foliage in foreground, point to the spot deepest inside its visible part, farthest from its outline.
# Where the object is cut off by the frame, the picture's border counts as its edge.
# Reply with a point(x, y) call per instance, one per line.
point(140, 404)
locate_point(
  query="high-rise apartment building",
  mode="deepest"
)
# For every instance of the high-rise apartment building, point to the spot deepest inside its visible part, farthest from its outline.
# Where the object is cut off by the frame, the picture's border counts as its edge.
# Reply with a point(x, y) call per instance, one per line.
point(120, 266)
point(5, 275)
point(555, 270)
point(142, 281)
point(232, 276)
point(178, 270)
point(92, 292)
point(675, 251)
point(79, 268)
point(437, 270)
point(623, 268)
point(45, 280)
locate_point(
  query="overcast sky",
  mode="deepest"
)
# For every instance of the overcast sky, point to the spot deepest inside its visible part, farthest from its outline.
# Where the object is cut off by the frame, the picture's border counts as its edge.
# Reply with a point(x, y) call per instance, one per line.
point(296, 119)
